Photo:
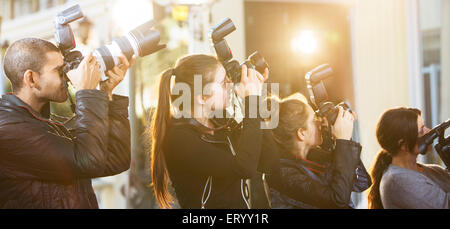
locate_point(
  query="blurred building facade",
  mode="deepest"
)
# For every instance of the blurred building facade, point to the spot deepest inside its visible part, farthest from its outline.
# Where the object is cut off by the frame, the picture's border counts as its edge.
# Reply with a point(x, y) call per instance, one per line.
point(398, 55)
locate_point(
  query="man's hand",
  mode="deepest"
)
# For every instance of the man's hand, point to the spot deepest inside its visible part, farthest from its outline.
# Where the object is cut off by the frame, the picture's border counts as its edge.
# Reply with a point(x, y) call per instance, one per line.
point(116, 75)
point(87, 75)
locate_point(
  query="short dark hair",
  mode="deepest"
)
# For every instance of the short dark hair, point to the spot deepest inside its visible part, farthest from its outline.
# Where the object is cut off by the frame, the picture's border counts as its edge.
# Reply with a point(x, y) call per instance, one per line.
point(26, 54)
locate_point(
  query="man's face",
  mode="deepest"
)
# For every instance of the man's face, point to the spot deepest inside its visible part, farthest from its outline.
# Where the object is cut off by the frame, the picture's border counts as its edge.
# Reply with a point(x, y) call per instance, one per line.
point(50, 85)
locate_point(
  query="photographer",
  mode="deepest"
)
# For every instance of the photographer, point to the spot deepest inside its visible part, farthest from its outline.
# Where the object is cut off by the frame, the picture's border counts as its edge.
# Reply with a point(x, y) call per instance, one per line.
point(300, 182)
point(43, 163)
point(206, 165)
point(399, 181)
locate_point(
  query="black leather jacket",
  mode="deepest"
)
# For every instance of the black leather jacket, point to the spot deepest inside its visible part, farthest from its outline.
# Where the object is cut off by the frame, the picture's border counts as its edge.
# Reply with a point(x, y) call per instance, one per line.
point(45, 164)
point(305, 184)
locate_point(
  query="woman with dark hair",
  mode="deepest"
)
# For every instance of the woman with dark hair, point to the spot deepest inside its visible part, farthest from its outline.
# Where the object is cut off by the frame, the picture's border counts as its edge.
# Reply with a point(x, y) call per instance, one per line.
point(207, 165)
point(304, 181)
point(398, 180)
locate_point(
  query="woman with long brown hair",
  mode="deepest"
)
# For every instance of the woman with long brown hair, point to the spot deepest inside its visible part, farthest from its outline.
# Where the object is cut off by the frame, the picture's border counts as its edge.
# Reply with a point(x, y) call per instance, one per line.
point(206, 165)
point(398, 180)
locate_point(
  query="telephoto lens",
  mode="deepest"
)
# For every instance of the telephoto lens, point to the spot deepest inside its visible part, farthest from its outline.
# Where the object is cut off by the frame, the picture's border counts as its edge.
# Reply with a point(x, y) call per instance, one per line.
point(141, 41)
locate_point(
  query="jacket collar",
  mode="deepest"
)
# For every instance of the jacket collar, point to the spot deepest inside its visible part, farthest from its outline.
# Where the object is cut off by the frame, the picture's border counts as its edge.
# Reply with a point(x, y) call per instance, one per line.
point(289, 159)
point(192, 122)
point(13, 100)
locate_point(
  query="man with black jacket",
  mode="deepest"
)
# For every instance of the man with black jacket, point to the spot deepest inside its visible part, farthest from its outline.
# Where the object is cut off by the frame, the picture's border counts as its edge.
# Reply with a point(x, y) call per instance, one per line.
point(48, 164)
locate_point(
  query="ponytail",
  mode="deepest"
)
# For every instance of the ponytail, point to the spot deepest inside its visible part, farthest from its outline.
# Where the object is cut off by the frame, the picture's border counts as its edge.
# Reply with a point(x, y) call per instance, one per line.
point(382, 162)
point(158, 130)
point(185, 70)
point(395, 126)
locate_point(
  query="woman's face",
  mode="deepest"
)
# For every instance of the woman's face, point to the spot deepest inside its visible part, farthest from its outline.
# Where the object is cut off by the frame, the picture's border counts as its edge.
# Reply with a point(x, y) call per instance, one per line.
point(218, 92)
point(421, 130)
point(313, 136)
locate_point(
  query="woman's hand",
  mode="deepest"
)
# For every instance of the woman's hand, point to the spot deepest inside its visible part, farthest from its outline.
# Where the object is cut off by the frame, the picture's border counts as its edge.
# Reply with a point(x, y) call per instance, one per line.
point(116, 75)
point(343, 127)
point(251, 82)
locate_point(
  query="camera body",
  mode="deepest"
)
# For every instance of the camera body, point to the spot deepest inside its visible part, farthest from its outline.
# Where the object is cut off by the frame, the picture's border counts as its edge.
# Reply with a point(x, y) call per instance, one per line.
point(319, 98)
point(232, 66)
point(64, 36)
point(63, 32)
point(443, 145)
point(318, 93)
point(141, 41)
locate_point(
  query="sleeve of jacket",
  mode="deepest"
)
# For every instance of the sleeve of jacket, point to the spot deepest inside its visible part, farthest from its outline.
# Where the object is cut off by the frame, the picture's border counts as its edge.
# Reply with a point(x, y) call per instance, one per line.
point(363, 179)
point(336, 194)
point(269, 158)
point(41, 154)
point(118, 157)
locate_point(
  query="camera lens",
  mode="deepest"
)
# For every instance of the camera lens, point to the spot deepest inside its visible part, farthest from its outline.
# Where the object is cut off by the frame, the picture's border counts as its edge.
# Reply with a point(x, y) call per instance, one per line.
point(330, 111)
point(141, 41)
point(145, 39)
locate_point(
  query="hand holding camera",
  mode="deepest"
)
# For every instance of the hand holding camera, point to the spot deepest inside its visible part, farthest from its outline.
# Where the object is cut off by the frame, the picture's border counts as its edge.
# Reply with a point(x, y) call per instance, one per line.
point(251, 82)
point(141, 41)
point(339, 117)
point(116, 75)
point(87, 75)
point(343, 127)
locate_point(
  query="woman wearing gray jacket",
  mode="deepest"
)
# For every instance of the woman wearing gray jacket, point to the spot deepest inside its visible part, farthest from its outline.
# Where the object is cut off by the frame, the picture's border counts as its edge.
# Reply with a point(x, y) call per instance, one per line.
point(399, 181)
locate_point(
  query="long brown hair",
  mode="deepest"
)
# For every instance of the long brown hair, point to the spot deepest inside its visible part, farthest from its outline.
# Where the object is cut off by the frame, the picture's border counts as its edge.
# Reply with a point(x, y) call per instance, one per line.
point(396, 127)
point(184, 71)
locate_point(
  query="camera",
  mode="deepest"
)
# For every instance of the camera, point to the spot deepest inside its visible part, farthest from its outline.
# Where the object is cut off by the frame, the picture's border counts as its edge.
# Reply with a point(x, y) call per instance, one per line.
point(141, 41)
point(318, 93)
point(443, 145)
point(319, 98)
point(232, 67)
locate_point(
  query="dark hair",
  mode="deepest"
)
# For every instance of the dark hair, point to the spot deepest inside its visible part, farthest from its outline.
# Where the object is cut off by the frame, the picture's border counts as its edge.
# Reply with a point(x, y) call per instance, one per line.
point(184, 71)
point(396, 127)
point(293, 114)
point(26, 54)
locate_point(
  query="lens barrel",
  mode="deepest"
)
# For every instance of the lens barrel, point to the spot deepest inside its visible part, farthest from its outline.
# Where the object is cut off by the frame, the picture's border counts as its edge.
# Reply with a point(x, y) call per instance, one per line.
point(141, 41)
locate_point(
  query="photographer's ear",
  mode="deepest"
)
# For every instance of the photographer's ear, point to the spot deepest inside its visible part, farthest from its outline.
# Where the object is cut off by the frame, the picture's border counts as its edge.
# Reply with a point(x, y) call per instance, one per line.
point(301, 134)
point(31, 79)
point(403, 146)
